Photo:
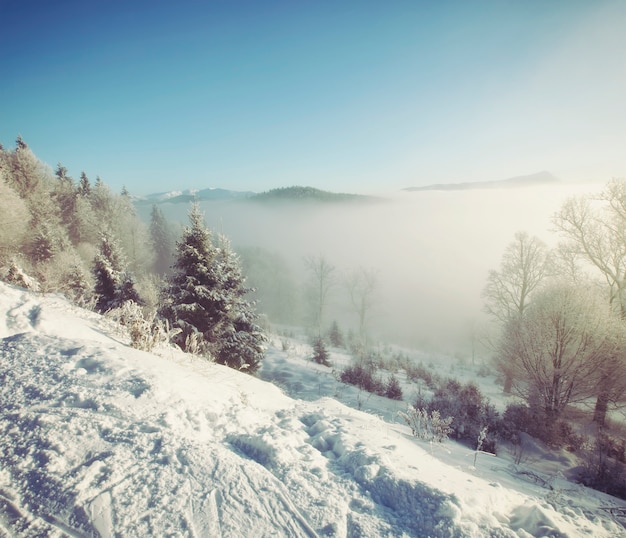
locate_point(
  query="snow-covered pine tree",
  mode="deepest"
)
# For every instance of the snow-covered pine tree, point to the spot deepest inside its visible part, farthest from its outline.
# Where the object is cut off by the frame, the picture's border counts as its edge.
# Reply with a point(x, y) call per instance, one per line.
point(126, 290)
point(45, 244)
point(205, 298)
point(242, 342)
point(193, 298)
point(107, 267)
point(113, 283)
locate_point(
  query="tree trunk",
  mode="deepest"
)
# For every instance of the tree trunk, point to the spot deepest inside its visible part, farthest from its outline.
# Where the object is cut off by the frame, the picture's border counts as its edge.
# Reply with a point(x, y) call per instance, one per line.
point(600, 410)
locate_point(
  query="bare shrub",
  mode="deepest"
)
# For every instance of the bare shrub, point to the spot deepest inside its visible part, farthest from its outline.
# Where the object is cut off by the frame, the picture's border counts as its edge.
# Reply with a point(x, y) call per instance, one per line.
point(145, 330)
point(428, 427)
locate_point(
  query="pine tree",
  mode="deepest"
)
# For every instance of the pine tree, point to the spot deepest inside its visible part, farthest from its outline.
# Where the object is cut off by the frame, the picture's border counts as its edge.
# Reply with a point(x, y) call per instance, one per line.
point(20, 144)
point(45, 244)
point(77, 283)
point(242, 342)
point(114, 284)
point(205, 298)
point(162, 241)
point(335, 335)
point(84, 187)
point(320, 353)
point(126, 290)
point(192, 299)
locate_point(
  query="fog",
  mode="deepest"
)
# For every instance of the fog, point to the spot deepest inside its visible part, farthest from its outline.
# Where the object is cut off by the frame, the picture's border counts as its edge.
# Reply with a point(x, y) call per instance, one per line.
point(432, 250)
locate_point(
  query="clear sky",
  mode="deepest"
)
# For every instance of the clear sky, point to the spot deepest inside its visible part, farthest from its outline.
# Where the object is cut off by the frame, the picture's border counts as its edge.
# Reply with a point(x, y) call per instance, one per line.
point(362, 96)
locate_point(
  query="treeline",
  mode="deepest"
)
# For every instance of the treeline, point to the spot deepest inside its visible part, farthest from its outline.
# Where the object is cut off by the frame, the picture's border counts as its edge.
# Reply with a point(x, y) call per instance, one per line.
point(75, 237)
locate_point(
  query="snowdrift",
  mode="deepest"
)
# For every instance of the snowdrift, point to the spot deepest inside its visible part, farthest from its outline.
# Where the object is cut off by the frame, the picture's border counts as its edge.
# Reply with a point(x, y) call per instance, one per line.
point(99, 439)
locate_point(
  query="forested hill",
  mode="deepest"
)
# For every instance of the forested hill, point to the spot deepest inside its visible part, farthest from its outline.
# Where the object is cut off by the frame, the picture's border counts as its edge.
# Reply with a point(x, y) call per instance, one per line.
point(309, 194)
point(84, 241)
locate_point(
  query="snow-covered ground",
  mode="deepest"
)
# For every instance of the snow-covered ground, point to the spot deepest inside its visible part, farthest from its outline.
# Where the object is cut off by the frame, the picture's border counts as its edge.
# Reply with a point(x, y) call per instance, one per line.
point(99, 439)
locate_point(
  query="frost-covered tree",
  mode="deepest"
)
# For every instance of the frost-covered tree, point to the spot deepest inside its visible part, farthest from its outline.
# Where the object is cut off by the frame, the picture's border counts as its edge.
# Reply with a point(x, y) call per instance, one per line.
point(595, 230)
point(84, 187)
point(192, 299)
point(113, 283)
point(14, 215)
point(205, 299)
point(524, 265)
point(242, 341)
point(559, 349)
point(26, 172)
point(45, 244)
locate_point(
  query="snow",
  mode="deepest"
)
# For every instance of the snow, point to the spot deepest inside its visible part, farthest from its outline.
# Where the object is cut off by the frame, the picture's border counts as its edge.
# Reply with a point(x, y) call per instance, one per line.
point(99, 439)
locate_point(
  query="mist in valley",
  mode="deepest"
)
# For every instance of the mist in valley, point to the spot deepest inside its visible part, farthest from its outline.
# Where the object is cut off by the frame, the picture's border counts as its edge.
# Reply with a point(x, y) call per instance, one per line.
point(430, 250)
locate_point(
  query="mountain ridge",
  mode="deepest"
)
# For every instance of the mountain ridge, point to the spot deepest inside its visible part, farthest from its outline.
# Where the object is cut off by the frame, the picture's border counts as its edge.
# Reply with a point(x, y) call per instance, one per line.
point(538, 178)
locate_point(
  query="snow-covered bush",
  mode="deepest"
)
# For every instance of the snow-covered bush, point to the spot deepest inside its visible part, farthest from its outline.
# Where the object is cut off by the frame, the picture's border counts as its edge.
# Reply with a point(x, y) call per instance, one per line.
point(16, 275)
point(469, 408)
point(145, 330)
point(428, 427)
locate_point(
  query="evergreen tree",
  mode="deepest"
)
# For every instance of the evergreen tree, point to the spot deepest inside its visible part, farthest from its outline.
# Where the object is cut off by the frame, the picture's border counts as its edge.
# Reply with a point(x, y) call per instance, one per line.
point(65, 195)
point(162, 241)
point(14, 214)
point(193, 300)
point(205, 298)
point(393, 390)
point(20, 144)
point(84, 187)
point(242, 342)
point(113, 283)
point(61, 174)
point(126, 290)
point(77, 284)
point(335, 335)
point(320, 353)
point(45, 244)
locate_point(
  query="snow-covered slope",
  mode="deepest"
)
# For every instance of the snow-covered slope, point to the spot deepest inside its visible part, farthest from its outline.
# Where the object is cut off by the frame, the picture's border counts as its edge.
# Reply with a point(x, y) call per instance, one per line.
point(98, 439)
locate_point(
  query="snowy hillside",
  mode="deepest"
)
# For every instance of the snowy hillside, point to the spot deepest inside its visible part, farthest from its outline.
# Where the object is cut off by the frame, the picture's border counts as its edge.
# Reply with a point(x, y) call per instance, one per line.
point(98, 439)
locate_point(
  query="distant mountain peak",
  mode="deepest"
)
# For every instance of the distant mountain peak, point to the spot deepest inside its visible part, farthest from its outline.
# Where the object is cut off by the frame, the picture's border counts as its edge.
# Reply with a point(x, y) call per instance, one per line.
point(539, 178)
point(190, 195)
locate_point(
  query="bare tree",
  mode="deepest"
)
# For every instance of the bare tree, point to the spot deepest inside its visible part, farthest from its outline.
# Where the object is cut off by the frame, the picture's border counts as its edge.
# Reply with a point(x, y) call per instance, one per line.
point(524, 265)
point(595, 229)
point(595, 232)
point(361, 285)
point(560, 348)
point(322, 280)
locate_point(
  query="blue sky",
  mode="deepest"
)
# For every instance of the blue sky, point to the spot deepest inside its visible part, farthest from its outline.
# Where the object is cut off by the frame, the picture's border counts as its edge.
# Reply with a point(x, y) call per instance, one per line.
point(346, 95)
